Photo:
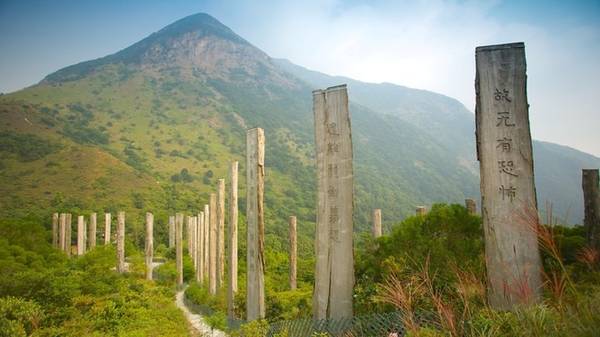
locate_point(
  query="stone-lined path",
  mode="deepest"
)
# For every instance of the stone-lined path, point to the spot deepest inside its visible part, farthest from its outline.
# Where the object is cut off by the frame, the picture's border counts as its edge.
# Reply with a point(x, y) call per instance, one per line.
point(196, 320)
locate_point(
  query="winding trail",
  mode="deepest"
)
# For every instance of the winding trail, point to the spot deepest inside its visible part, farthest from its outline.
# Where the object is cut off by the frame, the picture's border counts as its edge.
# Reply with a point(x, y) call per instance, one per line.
point(196, 320)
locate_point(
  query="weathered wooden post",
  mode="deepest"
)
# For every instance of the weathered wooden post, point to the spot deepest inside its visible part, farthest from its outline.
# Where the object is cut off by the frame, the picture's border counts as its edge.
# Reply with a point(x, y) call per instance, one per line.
point(255, 173)
point(85, 235)
point(293, 252)
point(121, 242)
point(107, 225)
point(149, 244)
point(212, 252)
point(55, 241)
point(421, 210)
point(377, 223)
point(92, 231)
point(62, 231)
point(200, 248)
point(334, 276)
point(171, 231)
point(206, 253)
point(80, 236)
point(471, 206)
point(191, 239)
point(232, 262)
point(591, 202)
point(69, 236)
point(188, 234)
point(509, 205)
point(179, 247)
point(220, 233)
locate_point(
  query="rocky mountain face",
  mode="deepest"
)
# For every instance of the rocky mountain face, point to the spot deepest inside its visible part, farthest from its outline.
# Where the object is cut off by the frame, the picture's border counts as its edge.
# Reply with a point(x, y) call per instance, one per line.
point(154, 125)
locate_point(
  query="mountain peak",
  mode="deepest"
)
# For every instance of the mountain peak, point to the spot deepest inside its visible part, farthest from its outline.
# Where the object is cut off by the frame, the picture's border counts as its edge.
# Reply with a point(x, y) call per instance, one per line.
point(200, 23)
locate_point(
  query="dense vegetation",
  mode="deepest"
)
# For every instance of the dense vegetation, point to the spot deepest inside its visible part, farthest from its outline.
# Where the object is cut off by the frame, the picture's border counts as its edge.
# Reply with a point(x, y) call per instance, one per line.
point(42, 293)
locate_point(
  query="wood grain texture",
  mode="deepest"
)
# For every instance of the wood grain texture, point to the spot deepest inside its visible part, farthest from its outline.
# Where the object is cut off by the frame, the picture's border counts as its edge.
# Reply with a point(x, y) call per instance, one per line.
point(220, 233)
point(509, 205)
point(232, 230)
point(591, 202)
point(334, 275)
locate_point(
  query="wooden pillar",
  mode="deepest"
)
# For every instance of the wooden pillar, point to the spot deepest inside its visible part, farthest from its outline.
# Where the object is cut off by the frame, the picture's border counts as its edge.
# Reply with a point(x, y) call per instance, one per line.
point(334, 275)
point(421, 210)
point(212, 245)
point(85, 235)
point(206, 236)
point(171, 231)
point(293, 252)
point(179, 247)
point(80, 236)
point(107, 225)
point(471, 206)
point(232, 263)
point(591, 202)
point(220, 233)
point(121, 242)
point(200, 248)
point(149, 244)
point(62, 234)
point(188, 230)
point(504, 151)
point(195, 241)
point(92, 231)
point(376, 223)
point(69, 235)
point(55, 242)
point(255, 173)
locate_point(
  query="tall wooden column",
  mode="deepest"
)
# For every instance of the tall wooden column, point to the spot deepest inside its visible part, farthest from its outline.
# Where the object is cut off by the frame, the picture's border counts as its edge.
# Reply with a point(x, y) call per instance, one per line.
point(149, 244)
point(206, 253)
point(471, 206)
point(92, 231)
point(55, 242)
point(232, 263)
point(107, 225)
point(179, 247)
point(200, 248)
point(220, 233)
point(212, 245)
point(80, 236)
point(121, 242)
point(591, 202)
point(421, 210)
point(69, 235)
point(377, 223)
point(334, 276)
point(255, 244)
point(506, 170)
point(62, 234)
point(293, 252)
point(171, 231)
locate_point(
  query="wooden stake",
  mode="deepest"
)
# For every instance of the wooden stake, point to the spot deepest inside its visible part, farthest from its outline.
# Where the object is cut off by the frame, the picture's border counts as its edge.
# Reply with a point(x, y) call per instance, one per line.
point(232, 263)
point(80, 236)
point(376, 223)
point(334, 274)
point(591, 202)
point(179, 247)
point(107, 225)
point(255, 173)
point(121, 242)
point(149, 244)
point(471, 206)
point(293, 252)
point(509, 208)
point(55, 240)
point(92, 232)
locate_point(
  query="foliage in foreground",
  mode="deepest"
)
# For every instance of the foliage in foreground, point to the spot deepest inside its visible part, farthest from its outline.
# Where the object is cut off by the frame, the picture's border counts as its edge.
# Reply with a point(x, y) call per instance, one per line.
point(42, 293)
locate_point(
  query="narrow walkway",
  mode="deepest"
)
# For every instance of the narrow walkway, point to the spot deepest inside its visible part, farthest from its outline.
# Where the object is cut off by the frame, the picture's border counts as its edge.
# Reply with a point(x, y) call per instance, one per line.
point(196, 320)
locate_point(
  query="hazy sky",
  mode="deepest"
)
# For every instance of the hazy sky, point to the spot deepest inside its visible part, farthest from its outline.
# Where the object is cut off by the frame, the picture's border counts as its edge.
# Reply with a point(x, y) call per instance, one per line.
point(422, 44)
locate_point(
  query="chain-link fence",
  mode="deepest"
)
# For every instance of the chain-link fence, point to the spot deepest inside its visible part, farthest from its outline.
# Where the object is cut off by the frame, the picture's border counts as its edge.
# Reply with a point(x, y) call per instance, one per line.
point(373, 325)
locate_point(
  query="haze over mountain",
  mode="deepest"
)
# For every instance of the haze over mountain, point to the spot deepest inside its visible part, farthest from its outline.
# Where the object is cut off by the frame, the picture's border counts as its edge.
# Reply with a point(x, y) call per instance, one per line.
point(154, 125)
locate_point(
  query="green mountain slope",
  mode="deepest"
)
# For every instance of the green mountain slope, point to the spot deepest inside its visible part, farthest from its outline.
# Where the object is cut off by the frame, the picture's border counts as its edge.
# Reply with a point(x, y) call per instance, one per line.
point(153, 126)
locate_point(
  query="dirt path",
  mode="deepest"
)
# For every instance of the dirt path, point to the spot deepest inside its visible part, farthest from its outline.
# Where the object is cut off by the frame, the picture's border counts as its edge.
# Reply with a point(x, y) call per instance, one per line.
point(196, 320)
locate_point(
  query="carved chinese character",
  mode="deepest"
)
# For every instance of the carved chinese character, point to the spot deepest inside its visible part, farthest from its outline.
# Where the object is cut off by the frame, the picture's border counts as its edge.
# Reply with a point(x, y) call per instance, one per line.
point(333, 214)
point(331, 192)
point(333, 147)
point(503, 119)
point(505, 144)
point(332, 171)
point(501, 95)
point(508, 192)
point(332, 129)
point(507, 166)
